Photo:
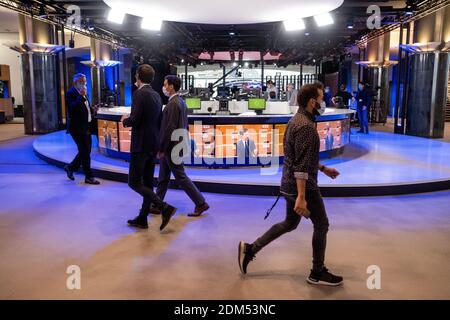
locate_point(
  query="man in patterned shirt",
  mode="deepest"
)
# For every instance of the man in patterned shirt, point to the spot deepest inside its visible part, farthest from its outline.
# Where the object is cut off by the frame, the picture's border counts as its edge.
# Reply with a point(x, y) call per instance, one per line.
point(299, 187)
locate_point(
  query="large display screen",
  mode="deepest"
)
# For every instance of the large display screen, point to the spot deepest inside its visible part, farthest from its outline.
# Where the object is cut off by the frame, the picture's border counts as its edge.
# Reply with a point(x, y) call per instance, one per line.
point(232, 141)
point(107, 135)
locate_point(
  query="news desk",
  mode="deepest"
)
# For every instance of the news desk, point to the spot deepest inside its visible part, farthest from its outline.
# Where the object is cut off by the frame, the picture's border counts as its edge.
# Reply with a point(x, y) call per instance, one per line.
point(215, 139)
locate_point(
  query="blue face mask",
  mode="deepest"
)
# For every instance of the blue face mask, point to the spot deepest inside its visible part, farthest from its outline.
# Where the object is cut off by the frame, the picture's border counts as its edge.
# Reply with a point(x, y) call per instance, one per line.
point(360, 87)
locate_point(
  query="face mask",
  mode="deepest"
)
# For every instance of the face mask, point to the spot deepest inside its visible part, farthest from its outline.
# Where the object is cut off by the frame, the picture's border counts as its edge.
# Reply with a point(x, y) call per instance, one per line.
point(165, 92)
point(81, 87)
point(320, 108)
point(360, 87)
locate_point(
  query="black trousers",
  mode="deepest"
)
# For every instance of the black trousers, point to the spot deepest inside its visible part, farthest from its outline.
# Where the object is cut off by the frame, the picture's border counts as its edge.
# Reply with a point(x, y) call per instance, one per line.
point(320, 222)
point(140, 179)
point(83, 157)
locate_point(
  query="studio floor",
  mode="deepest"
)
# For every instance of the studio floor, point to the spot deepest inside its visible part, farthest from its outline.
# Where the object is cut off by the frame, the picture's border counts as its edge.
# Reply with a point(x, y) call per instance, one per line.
point(48, 223)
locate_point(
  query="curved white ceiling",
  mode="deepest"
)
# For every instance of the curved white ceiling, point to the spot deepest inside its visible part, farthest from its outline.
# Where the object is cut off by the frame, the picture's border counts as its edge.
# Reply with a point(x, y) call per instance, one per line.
point(224, 11)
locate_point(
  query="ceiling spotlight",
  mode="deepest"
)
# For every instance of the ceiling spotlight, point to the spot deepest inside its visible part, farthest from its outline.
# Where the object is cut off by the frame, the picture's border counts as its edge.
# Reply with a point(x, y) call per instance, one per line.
point(151, 24)
point(294, 25)
point(182, 60)
point(307, 34)
point(116, 16)
point(246, 64)
point(234, 64)
point(324, 19)
point(232, 33)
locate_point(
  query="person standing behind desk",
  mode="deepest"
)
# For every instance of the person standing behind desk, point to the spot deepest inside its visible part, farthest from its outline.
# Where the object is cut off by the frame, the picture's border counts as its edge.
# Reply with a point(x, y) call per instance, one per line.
point(291, 97)
point(79, 121)
point(175, 117)
point(145, 120)
point(346, 96)
point(272, 91)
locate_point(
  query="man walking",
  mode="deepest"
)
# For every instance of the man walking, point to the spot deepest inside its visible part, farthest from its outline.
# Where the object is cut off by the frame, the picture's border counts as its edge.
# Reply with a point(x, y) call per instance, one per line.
point(79, 121)
point(145, 121)
point(299, 187)
point(175, 118)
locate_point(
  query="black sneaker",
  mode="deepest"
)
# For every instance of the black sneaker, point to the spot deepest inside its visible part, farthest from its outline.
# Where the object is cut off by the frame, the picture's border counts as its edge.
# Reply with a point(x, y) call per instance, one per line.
point(91, 181)
point(139, 222)
point(245, 255)
point(166, 215)
point(324, 278)
point(69, 173)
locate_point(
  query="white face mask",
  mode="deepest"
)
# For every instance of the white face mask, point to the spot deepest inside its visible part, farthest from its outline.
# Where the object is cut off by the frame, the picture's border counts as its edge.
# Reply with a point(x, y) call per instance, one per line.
point(320, 108)
point(167, 94)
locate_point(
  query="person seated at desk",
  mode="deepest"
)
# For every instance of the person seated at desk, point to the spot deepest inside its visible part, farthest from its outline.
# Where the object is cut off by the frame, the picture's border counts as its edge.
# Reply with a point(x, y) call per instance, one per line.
point(345, 97)
point(271, 91)
point(245, 147)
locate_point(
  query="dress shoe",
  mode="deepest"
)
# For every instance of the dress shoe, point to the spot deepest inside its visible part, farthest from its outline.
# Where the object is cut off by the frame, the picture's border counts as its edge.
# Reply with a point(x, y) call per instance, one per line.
point(139, 222)
point(91, 181)
point(69, 173)
point(199, 210)
point(167, 212)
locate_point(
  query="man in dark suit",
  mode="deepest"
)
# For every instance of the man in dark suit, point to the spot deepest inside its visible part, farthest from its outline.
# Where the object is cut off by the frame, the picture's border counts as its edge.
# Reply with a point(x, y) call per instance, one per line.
point(175, 118)
point(79, 121)
point(145, 120)
point(246, 147)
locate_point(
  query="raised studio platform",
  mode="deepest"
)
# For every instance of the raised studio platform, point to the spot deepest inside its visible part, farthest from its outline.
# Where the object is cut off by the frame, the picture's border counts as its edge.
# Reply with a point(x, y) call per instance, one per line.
point(371, 165)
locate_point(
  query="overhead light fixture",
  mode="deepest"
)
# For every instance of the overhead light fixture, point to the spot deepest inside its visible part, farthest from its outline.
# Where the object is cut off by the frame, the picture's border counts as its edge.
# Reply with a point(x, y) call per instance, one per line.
point(232, 33)
point(182, 60)
point(234, 64)
point(324, 19)
point(116, 16)
point(307, 34)
point(409, 9)
point(294, 24)
point(246, 64)
point(151, 24)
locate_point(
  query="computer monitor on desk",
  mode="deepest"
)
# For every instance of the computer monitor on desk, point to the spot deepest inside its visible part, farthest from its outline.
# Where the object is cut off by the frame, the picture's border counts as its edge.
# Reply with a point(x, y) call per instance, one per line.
point(193, 103)
point(257, 105)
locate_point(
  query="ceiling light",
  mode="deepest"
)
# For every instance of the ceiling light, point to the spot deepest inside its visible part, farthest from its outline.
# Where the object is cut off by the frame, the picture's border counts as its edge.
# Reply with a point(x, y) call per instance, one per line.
point(234, 64)
point(246, 64)
point(116, 16)
point(324, 19)
point(294, 24)
point(307, 33)
point(232, 33)
point(151, 24)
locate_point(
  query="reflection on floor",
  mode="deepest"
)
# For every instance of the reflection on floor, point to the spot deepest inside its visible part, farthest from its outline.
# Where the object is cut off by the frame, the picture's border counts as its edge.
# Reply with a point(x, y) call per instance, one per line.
point(48, 223)
point(377, 159)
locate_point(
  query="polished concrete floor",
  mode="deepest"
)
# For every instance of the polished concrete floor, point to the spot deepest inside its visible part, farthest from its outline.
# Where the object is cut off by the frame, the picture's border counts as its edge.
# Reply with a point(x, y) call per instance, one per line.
point(11, 130)
point(48, 223)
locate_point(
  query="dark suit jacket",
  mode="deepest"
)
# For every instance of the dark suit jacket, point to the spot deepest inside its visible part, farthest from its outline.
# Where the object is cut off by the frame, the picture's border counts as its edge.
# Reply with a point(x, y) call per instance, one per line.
point(145, 119)
point(240, 148)
point(175, 116)
point(77, 121)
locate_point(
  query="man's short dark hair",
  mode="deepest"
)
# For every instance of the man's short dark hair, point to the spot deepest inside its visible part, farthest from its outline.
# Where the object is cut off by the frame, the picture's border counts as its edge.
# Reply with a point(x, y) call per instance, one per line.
point(175, 81)
point(307, 92)
point(145, 73)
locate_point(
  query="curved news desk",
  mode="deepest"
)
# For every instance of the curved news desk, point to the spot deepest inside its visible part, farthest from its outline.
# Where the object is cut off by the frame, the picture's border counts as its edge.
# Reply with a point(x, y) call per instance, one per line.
point(216, 139)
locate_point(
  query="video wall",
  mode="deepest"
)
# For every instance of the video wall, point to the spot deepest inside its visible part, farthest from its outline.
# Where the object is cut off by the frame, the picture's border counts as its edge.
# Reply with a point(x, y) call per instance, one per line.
point(231, 141)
